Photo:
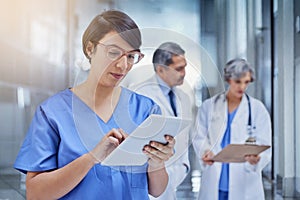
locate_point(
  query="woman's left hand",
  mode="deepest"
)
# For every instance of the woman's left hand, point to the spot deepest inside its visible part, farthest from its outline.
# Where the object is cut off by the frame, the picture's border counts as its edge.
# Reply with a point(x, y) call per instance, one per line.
point(158, 153)
point(252, 159)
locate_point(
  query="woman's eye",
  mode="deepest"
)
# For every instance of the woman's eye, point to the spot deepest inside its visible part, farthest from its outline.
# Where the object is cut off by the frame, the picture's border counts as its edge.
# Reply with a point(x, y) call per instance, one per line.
point(114, 53)
point(131, 56)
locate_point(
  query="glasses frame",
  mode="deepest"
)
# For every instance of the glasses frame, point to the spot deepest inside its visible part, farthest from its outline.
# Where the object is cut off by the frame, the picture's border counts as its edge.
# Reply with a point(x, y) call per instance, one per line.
point(124, 53)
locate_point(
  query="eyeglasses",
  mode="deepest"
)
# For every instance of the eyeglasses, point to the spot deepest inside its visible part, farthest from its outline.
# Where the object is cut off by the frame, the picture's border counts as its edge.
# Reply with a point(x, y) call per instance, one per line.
point(114, 53)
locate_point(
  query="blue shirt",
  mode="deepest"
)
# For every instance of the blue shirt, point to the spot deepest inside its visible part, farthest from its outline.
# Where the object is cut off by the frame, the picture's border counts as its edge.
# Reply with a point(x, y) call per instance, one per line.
point(64, 128)
point(165, 89)
point(224, 178)
point(163, 86)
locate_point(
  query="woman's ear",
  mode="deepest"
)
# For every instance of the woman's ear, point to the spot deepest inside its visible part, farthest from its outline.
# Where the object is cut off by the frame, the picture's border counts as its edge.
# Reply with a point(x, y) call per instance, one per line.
point(90, 49)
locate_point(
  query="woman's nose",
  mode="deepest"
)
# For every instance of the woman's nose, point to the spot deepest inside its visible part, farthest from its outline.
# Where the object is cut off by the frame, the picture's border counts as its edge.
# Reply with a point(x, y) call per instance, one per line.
point(122, 62)
point(244, 86)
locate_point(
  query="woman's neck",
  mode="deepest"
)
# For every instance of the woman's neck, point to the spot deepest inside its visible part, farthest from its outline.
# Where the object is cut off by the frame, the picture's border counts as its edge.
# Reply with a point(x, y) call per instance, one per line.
point(233, 102)
point(94, 94)
point(232, 98)
point(102, 100)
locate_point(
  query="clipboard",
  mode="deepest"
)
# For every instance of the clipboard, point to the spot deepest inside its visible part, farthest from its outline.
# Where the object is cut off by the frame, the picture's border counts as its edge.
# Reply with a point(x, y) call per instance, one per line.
point(235, 153)
point(130, 151)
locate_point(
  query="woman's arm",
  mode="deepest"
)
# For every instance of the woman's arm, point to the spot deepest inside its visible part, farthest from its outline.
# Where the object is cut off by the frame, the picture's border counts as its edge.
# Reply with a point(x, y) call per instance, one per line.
point(57, 183)
point(157, 175)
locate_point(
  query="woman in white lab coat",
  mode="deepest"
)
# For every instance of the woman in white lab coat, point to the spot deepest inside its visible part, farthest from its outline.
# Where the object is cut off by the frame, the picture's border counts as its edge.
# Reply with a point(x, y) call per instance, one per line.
point(224, 119)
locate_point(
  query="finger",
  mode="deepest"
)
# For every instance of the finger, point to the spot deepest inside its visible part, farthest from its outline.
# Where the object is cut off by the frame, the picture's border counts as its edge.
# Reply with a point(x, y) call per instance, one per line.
point(258, 159)
point(205, 155)
point(248, 159)
point(170, 140)
point(154, 152)
point(123, 133)
point(116, 133)
point(152, 156)
point(209, 162)
point(113, 140)
point(208, 154)
point(157, 145)
point(154, 161)
point(166, 149)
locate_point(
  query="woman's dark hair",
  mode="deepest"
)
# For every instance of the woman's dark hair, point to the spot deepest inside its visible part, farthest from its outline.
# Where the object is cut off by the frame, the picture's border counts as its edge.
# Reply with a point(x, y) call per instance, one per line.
point(112, 20)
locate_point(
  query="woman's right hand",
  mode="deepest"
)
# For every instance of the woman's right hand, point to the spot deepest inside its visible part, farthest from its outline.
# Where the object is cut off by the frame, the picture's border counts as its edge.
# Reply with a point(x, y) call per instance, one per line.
point(108, 143)
point(207, 157)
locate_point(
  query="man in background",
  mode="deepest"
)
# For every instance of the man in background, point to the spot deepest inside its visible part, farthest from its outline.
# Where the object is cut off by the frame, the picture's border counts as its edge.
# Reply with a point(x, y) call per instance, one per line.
point(169, 65)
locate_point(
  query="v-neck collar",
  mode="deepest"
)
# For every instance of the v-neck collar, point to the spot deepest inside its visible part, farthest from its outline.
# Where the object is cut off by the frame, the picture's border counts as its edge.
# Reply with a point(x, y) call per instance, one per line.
point(91, 110)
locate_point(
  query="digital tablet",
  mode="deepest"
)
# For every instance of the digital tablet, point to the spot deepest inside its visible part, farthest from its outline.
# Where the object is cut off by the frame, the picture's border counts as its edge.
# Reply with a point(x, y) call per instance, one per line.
point(130, 151)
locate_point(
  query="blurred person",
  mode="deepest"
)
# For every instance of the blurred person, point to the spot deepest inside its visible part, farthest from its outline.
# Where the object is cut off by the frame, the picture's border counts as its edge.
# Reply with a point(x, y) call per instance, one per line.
point(232, 117)
point(169, 65)
point(57, 161)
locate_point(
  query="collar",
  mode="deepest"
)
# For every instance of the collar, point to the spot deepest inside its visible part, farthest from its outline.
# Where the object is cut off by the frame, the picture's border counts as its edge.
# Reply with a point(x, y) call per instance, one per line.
point(163, 85)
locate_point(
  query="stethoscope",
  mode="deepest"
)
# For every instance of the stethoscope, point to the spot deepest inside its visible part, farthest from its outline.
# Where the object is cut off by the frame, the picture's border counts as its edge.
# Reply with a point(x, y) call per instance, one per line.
point(250, 129)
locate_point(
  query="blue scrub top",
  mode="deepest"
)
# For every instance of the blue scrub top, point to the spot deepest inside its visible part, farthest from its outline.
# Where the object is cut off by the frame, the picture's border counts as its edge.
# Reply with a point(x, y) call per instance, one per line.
point(224, 177)
point(64, 128)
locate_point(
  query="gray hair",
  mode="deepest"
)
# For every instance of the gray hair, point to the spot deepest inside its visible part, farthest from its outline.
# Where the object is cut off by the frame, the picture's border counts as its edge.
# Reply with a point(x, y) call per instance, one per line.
point(164, 53)
point(237, 68)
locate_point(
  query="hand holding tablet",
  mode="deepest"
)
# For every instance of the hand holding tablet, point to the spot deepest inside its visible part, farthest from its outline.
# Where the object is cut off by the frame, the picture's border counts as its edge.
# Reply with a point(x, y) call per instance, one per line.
point(154, 128)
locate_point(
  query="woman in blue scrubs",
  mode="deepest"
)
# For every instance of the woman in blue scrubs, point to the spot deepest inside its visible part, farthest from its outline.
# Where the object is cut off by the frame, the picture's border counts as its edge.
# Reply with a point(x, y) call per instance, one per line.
point(73, 131)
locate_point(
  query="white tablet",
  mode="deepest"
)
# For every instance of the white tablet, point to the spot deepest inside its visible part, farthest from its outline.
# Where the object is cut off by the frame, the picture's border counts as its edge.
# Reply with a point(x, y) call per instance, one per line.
point(130, 151)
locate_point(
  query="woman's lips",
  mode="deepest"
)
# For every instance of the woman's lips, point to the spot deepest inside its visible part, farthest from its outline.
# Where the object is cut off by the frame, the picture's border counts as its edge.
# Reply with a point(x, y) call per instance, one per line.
point(117, 76)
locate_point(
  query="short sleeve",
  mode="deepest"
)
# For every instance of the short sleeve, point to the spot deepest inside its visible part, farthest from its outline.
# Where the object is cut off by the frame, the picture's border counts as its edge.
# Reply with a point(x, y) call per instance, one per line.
point(40, 147)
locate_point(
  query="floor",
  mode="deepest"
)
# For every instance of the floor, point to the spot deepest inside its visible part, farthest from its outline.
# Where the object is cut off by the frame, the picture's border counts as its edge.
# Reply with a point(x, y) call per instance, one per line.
point(188, 190)
point(11, 185)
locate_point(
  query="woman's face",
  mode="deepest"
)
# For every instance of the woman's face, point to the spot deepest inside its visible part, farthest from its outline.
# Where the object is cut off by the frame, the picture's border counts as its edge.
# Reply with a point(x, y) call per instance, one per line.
point(237, 87)
point(104, 68)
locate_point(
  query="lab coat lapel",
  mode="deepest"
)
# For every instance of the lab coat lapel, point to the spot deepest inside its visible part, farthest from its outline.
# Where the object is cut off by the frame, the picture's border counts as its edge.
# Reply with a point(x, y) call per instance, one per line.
point(219, 122)
point(161, 98)
point(239, 123)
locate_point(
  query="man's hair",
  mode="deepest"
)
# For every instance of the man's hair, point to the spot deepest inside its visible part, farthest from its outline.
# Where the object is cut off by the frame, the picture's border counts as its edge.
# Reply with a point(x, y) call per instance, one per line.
point(164, 53)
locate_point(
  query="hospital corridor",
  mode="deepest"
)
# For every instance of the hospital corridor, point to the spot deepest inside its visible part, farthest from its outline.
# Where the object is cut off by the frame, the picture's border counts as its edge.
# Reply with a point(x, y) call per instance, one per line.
point(43, 52)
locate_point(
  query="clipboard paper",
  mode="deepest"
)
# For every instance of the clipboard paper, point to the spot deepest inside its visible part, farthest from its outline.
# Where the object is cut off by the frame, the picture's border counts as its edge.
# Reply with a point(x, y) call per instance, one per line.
point(154, 128)
point(235, 153)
